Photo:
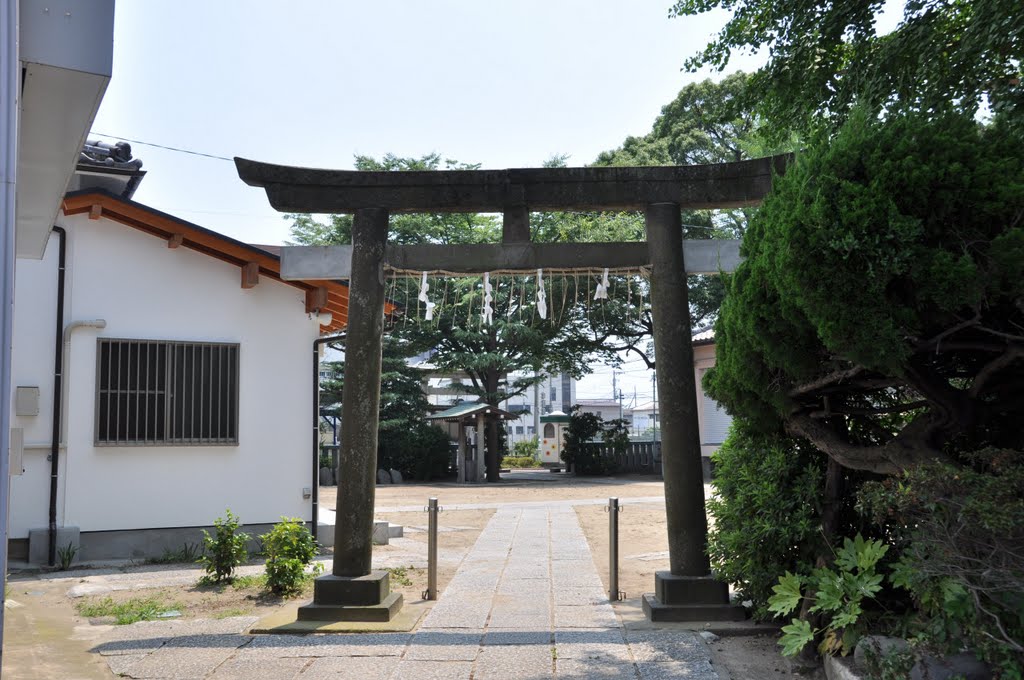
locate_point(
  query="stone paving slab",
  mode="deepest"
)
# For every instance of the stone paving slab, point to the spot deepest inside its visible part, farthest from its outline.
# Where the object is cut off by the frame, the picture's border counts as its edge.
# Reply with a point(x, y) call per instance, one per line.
point(180, 663)
point(244, 668)
point(380, 644)
point(576, 669)
point(123, 664)
point(608, 645)
point(514, 662)
point(356, 668)
point(433, 670)
point(657, 645)
point(445, 644)
point(676, 670)
point(495, 637)
point(527, 604)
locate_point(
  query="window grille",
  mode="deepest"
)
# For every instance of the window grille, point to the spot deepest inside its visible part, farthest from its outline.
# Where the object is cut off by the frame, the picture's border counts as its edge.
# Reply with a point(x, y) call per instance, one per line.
point(157, 392)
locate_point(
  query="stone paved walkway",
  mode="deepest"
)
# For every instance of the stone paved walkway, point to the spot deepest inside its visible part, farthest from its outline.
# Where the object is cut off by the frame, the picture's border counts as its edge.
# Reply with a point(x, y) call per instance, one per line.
point(526, 603)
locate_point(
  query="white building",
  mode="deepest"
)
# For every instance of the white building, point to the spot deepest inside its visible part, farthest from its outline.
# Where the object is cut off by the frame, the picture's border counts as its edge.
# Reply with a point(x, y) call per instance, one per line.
point(188, 376)
point(607, 410)
point(55, 63)
point(714, 422)
point(552, 393)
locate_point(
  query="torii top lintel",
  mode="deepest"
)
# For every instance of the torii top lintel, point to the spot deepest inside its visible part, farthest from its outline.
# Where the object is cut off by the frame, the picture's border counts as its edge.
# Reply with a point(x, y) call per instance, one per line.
point(310, 190)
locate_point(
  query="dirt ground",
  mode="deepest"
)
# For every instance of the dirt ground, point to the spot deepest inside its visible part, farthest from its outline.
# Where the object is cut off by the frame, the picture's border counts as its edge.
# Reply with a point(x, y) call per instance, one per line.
point(45, 636)
point(518, 487)
point(643, 544)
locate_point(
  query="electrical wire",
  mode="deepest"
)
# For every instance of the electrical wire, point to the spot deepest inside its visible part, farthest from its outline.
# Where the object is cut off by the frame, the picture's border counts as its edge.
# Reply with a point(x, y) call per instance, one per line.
point(163, 146)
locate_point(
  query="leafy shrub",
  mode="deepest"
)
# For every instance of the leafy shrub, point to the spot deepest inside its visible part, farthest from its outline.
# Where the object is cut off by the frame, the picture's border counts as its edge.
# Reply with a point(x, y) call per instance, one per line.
point(421, 452)
point(326, 460)
point(225, 550)
point(960, 534)
point(838, 595)
point(289, 548)
point(525, 448)
point(767, 512)
point(586, 456)
point(520, 462)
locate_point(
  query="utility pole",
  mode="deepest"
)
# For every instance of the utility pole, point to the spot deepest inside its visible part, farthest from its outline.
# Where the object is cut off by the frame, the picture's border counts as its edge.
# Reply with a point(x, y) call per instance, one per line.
point(616, 392)
point(635, 405)
point(536, 406)
point(654, 414)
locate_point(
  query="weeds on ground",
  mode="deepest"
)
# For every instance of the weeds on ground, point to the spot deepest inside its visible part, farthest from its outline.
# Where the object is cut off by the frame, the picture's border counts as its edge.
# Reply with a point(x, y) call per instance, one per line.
point(128, 611)
point(400, 575)
point(249, 581)
point(66, 555)
point(188, 553)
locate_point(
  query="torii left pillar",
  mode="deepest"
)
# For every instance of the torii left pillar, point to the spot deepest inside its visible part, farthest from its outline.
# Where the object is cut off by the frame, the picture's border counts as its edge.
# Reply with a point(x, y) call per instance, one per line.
point(353, 591)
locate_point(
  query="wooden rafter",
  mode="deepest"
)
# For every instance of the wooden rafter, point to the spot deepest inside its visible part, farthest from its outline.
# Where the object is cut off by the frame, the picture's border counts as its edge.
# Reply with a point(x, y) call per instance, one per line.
point(179, 233)
point(250, 274)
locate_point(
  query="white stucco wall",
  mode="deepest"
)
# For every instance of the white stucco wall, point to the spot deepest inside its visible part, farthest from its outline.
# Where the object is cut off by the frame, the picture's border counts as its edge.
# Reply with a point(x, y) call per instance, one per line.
point(32, 365)
point(714, 421)
point(144, 290)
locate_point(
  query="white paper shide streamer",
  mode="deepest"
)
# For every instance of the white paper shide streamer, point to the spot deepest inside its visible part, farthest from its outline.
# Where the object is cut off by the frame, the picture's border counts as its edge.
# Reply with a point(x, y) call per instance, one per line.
point(542, 305)
point(424, 287)
point(487, 315)
point(601, 293)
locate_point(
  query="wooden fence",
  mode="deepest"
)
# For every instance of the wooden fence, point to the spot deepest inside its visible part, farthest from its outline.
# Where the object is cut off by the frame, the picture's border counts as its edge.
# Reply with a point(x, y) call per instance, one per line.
point(639, 457)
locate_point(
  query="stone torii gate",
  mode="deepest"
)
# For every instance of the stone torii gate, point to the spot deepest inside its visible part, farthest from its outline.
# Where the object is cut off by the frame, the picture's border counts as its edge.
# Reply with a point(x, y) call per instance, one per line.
point(352, 591)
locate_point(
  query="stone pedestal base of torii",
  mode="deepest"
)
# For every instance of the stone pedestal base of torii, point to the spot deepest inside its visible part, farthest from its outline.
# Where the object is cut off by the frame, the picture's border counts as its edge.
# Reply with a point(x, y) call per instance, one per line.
point(353, 592)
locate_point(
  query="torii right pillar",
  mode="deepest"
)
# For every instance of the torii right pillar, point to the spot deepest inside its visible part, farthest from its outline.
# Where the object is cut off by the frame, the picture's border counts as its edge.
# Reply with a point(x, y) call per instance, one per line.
point(688, 591)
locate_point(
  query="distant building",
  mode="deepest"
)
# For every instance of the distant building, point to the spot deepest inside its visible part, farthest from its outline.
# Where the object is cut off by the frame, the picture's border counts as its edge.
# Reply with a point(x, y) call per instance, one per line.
point(552, 393)
point(607, 409)
point(714, 421)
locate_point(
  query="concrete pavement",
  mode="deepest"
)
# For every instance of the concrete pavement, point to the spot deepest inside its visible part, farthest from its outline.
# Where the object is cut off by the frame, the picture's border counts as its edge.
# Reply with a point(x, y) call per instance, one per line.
point(526, 603)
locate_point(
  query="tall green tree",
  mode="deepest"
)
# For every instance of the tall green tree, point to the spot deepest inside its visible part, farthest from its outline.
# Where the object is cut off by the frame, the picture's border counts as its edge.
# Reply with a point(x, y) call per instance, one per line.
point(708, 122)
point(406, 441)
point(879, 313)
point(824, 58)
point(517, 340)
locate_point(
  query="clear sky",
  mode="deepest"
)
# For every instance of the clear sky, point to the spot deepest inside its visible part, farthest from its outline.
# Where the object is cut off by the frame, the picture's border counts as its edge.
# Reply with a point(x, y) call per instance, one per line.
point(505, 84)
point(312, 83)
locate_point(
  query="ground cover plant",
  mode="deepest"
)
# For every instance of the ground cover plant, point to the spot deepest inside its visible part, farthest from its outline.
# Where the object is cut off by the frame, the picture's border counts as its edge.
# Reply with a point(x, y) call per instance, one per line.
point(127, 611)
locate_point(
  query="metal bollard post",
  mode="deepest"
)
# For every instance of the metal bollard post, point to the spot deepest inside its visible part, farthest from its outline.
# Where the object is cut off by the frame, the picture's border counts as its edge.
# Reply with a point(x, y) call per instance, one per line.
point(613, 510)
point(432, 509)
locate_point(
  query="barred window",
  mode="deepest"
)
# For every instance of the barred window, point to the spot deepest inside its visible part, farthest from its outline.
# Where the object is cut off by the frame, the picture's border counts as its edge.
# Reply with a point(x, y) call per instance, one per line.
point(157, 392)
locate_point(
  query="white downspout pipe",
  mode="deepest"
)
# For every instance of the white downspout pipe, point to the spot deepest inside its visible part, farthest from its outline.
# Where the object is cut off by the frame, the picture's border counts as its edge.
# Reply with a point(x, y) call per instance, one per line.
point(68, 330)
point(65, 388)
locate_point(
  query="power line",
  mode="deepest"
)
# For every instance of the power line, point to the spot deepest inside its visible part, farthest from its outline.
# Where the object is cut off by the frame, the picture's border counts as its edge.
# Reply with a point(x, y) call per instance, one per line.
point(162, 146)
